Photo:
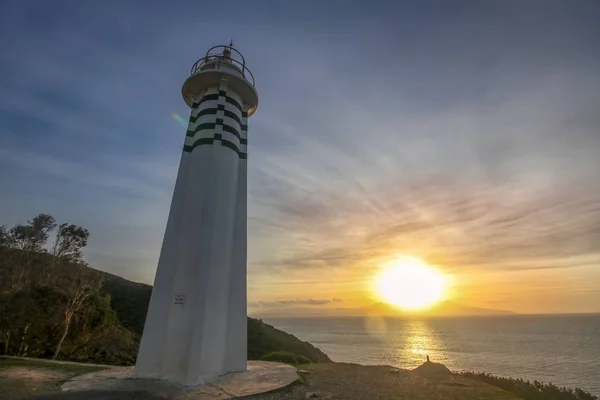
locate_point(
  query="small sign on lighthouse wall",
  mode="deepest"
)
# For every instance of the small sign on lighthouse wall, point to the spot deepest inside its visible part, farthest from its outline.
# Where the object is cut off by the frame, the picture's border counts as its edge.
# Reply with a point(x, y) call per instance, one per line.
point(179, 299)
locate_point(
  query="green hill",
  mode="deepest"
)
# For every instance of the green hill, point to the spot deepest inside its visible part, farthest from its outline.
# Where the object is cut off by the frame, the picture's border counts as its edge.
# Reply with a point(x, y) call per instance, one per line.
point(130, 301)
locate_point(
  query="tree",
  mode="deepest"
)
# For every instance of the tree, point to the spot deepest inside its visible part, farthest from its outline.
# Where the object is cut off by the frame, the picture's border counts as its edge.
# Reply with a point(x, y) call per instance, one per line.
point(33, 236)
point(30, 239)
point(8, 266)
point(80, 290)
point(51, 304)
point(5, 238)
point(70, 239)
point(92, 328)
point(28, 320)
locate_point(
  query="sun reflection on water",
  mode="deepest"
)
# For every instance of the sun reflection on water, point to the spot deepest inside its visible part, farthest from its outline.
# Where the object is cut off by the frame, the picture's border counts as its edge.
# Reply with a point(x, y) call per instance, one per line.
point(421, 341)
point(411, 341)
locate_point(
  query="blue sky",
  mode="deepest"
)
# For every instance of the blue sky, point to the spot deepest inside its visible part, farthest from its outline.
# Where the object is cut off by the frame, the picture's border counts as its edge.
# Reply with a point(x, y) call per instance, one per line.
point(466, 133)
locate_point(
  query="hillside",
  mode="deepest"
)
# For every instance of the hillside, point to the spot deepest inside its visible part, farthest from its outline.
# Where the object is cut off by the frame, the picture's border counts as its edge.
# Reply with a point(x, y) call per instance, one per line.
point(130, 300)
point(53, 305)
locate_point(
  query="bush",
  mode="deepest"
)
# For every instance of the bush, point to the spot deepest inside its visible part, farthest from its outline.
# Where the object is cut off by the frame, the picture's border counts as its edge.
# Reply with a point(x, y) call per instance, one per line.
point(286, 357)
point(532, 390)
point(264, 339)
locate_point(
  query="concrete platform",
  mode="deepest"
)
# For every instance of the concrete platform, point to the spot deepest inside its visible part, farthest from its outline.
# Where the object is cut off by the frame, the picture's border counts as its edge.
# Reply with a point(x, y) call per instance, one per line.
point(261, 377)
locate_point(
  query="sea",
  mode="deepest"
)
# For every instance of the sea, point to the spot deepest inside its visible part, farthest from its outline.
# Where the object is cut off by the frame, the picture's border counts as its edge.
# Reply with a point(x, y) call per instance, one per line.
point(562, 349)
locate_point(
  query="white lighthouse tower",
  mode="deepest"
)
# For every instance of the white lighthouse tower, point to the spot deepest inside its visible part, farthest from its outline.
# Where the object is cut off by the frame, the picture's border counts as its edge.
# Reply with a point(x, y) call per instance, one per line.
point(196, 324)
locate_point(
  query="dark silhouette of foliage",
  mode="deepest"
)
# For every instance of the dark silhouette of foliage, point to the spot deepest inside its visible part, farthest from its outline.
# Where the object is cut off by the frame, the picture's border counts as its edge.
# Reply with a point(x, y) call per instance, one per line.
point(532, 390)
point(33, 235)
point(4, 236)
point(129, 299)
point(70, 240)
point(286, 357)
point(50, 303)
point(264, 339)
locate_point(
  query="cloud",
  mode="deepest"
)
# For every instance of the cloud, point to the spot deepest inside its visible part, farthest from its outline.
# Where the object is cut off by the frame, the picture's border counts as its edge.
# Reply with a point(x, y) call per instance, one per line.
point(296, 302)
point(381, 130)
point(457, 225)
point(469, 188)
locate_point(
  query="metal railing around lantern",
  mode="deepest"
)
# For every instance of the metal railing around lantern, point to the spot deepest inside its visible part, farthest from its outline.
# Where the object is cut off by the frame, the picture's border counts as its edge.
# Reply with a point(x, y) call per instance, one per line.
point(226, 57)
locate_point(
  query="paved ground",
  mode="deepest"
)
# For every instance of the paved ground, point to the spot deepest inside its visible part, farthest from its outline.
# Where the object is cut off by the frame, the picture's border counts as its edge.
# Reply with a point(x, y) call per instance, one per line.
point(260, 377)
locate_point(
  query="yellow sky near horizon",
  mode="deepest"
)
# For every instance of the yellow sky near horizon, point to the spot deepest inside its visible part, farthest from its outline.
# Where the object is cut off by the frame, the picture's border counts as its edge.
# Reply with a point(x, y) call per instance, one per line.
point(519, 291)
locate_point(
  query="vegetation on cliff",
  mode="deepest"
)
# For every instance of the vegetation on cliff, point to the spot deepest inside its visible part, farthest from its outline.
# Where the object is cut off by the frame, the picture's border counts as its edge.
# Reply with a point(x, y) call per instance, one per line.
point(531, 390)
point(53, 305)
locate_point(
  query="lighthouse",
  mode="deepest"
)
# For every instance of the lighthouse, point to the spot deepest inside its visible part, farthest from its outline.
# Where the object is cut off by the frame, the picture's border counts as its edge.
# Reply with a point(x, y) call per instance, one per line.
point(195, 328)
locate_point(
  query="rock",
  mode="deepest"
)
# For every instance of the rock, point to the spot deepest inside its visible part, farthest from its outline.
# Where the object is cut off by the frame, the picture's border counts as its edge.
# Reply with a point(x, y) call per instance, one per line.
point(432, 370)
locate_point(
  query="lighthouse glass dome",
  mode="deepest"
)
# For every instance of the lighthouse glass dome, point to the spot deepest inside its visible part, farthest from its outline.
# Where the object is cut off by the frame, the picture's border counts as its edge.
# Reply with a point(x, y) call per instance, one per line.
point(224, 56)
point(217, 61)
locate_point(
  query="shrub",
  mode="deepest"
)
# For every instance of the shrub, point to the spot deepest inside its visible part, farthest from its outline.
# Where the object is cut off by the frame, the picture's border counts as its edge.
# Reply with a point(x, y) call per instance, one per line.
point(532, 390)
point(286, 357)
point(264, 339)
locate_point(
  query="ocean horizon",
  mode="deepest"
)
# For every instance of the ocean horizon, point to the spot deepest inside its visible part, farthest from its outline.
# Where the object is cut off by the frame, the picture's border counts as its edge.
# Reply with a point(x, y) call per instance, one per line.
point(563, 349)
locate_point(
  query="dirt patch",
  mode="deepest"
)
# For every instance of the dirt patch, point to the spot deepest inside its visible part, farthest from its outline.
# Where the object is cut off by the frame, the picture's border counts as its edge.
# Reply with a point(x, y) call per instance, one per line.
point(19, 382)
point(34, 374)
point(22, 378)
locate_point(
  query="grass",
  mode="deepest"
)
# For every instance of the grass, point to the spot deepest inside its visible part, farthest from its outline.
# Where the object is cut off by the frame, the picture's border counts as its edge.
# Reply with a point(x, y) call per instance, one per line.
point(286, 357)
point(74, 369)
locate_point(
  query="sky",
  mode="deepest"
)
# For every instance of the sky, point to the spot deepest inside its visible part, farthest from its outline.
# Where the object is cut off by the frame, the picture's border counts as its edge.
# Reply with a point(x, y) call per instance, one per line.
point(465, 133)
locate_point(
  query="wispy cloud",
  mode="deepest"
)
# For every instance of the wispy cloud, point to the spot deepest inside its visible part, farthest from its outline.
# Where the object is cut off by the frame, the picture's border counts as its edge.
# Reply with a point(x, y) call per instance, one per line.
point(296, 302)
point(382, 129)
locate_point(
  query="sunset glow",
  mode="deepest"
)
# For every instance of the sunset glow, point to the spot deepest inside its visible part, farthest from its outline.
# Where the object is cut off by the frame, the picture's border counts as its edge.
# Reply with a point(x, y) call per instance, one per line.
point(411, 284)
point(380, 135)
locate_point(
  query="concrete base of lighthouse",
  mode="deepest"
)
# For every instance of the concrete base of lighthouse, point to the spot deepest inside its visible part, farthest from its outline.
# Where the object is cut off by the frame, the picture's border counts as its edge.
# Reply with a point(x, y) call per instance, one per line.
point(260, 377)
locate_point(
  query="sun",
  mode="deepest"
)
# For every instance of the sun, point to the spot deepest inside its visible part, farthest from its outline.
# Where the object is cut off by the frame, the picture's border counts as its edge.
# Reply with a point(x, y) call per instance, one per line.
point(411, 284)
